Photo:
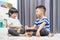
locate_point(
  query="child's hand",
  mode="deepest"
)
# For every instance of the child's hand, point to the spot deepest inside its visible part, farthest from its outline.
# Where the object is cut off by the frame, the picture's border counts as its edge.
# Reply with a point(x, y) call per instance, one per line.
point(34, 27)
point(26, 27)
point(38, 34)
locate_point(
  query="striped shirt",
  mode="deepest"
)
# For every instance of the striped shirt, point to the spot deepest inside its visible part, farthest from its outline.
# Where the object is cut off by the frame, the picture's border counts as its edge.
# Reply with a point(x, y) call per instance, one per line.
point(38, 22)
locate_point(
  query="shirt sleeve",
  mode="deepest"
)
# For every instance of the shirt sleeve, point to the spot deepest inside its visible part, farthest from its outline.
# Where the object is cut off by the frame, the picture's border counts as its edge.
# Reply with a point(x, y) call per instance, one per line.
point(46, 20)
point(36, 22)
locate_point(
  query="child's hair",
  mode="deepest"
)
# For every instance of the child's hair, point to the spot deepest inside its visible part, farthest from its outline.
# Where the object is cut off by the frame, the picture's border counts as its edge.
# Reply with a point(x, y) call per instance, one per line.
point(12, 10)
point(41, 6)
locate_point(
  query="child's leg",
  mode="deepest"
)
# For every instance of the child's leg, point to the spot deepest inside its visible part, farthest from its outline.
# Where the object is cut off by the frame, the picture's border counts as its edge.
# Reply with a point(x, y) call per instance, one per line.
point(13, 32)
point(22, 31)
point(18, 30)
point(9, 35)
point(44, 32)
point(34, 32)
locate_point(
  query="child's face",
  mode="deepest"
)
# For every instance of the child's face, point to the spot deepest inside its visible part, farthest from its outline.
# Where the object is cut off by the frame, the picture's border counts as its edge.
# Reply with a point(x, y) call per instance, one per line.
point(13, 15)
point(39, 12)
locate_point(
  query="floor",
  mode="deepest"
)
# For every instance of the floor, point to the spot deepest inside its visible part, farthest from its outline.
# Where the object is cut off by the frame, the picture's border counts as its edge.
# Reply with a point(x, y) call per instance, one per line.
point(5, 37)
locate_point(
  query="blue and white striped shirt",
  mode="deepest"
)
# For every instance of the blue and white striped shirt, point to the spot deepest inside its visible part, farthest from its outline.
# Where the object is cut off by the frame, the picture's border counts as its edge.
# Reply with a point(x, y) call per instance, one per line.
point(38, 22)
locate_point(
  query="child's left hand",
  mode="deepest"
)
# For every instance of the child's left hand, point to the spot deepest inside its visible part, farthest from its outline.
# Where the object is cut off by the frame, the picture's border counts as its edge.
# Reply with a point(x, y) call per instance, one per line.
point(38, 34)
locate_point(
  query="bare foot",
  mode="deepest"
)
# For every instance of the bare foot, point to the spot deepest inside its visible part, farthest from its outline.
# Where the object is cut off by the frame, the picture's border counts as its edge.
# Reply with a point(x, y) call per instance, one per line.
point(18, 31)
point(22, 35)
point(9, 35)
point(51, 35)
point(28, 34)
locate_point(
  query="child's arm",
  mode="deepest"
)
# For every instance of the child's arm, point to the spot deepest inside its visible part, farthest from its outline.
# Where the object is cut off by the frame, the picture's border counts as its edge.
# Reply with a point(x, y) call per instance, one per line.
point(39, 29)
point(12, 26)
point(41, 26)
point(30, 28)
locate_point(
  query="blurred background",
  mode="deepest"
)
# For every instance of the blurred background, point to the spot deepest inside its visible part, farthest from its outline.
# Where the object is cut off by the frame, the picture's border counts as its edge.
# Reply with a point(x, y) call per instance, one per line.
point(27, 14)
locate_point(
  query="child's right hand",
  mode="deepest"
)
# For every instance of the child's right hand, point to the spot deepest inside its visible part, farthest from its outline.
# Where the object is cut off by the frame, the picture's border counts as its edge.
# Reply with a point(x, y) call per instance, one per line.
point(38, 34)
point(34, 27)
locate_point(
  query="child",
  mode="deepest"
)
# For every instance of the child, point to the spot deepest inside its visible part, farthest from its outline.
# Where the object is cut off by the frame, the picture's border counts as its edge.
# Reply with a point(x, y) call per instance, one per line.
point(42, 23)
point(13, 23)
